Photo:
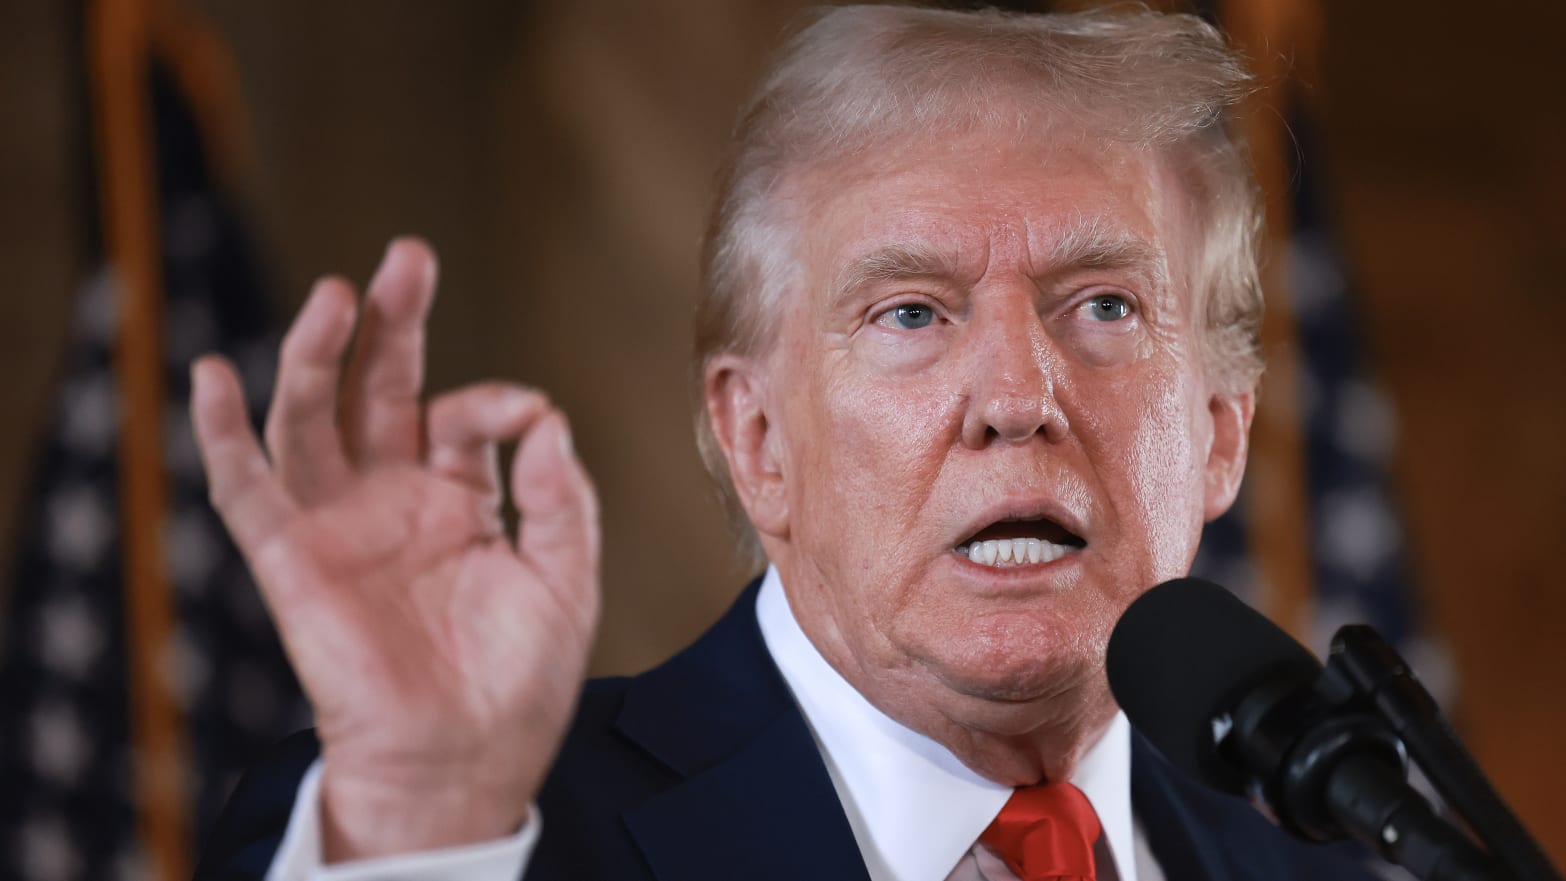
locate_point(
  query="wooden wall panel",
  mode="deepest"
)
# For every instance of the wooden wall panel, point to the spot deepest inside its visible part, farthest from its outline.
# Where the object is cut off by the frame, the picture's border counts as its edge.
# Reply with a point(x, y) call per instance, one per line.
point(1444, 136)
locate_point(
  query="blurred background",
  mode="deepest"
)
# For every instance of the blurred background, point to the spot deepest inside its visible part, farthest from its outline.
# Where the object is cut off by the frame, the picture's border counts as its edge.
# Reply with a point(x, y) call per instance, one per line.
point(174, 174)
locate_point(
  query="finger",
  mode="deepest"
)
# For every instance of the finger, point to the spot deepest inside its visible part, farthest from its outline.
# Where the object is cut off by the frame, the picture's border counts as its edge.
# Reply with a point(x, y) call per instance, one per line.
point(301, 425)
point(386, 370)
point(464, 429)
point(247, 495)
point(559, 535)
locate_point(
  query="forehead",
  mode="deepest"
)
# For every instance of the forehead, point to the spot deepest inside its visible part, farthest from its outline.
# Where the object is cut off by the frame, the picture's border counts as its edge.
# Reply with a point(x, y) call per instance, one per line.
point(961, 204)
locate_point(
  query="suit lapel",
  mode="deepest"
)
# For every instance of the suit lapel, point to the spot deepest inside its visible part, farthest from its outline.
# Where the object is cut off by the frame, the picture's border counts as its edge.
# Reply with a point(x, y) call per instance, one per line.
point(764, 813)
point(755, 800)
point(1187, 850)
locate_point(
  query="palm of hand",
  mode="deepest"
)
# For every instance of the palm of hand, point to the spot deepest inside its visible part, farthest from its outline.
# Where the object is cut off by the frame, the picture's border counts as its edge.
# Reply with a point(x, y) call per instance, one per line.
point(409, 617)
point(442, 660)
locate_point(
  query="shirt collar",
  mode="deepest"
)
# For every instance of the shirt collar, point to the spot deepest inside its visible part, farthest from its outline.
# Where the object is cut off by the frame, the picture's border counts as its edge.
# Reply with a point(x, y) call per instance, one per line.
point(914, 808)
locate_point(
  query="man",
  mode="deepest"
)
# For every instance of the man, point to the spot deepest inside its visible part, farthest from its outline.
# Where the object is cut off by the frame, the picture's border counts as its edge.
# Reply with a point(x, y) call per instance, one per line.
point(978, 359)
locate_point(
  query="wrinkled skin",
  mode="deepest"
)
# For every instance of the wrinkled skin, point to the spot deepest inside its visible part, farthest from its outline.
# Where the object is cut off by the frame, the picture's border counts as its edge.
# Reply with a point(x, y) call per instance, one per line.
point(873, 438)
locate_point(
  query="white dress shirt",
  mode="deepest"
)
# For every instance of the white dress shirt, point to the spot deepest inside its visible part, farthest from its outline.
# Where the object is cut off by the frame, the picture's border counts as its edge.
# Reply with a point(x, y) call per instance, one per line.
point(915, 810)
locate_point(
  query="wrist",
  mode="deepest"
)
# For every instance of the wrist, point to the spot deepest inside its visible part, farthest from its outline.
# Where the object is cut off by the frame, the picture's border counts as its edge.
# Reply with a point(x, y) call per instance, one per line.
point(379, 815)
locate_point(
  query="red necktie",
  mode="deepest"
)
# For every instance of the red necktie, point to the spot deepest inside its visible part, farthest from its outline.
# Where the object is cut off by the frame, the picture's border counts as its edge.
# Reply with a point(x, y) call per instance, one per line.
point(1046, 833)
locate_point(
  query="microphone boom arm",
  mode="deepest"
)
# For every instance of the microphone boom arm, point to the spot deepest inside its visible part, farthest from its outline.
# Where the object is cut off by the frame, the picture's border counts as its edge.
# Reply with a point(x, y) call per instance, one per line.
point(1364, 663)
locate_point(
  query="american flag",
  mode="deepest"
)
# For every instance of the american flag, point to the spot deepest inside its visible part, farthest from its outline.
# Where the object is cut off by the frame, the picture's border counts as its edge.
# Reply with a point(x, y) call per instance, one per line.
point(69, 809)
point(1359, 563)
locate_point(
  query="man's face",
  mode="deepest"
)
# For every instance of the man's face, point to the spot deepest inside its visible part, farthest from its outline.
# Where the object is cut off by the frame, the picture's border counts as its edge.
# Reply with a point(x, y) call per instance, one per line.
point(992, 352)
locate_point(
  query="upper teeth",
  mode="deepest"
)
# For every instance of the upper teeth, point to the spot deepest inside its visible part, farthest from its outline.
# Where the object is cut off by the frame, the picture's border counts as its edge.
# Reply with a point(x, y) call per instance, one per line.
point(1014, 551)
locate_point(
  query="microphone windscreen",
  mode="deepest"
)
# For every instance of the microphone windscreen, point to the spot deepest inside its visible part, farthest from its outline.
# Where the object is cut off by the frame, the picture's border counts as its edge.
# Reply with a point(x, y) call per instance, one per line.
point(1185, 653)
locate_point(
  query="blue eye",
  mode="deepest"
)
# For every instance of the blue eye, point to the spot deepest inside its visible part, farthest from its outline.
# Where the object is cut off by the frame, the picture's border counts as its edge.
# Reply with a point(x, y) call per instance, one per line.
point(913, 316)
point(1108, 307)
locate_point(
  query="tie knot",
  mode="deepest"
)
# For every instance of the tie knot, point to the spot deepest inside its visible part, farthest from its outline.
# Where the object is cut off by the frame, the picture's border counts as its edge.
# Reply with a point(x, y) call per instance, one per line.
point(1046, 833)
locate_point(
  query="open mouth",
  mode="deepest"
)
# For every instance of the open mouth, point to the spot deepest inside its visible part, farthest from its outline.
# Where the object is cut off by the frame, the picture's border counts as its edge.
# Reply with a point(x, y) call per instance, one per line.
point(1027, 542)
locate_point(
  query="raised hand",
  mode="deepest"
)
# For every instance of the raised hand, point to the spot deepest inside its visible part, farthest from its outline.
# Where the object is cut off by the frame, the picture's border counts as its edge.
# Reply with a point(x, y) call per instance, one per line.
point(442, 659)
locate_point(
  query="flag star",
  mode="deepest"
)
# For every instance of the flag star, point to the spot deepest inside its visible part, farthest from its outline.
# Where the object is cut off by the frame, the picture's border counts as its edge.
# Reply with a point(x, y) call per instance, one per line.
point(90, 414)
point(1237, 573)
point(60, 747)
point(80, 526)
point(1332, 613)
point(48, 852)
point(1358, 534)
point(186, 669)
point(1365, 424)
point(192, 549)
point(71, 638)
point(132, 865)
point(95, 314)
point(1315, 274)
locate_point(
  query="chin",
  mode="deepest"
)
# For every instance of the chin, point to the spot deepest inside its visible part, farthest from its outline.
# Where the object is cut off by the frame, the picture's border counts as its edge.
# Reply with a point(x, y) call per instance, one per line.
point(1014, 664)
point(1058, 699)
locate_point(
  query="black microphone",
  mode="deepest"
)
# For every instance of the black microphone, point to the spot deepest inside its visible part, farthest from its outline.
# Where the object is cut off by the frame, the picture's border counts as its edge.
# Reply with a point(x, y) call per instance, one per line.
point(1230, 698)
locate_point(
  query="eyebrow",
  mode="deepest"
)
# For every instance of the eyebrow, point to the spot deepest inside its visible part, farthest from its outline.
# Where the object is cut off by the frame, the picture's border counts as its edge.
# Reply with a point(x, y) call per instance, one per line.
point(892, 263)
point(1095, 243)
point(1092, 242)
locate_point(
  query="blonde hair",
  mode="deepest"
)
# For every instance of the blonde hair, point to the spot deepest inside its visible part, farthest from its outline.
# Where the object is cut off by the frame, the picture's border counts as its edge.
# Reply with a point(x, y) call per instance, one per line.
point(865, 76)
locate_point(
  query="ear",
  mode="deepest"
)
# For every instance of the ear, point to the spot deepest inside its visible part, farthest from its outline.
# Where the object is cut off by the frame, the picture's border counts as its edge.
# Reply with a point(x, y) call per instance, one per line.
point(735, 389)
point(1231, 423)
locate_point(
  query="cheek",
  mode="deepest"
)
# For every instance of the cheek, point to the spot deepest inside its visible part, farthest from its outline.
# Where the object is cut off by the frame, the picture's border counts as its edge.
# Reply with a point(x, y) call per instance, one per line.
point(870, 464)
point(1174, 487)
point(1148, 436)
point(1171, 484)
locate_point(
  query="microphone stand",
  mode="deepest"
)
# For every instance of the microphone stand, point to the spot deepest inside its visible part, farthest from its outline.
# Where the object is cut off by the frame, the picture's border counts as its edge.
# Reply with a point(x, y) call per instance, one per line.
point(1364, 665)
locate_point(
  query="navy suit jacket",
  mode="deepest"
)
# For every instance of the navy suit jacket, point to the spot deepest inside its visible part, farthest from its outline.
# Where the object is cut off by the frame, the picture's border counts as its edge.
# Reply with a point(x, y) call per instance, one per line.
point(704, 769)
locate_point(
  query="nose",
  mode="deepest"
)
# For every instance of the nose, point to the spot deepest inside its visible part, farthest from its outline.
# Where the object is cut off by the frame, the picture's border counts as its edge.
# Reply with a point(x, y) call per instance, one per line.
point(1012, 382)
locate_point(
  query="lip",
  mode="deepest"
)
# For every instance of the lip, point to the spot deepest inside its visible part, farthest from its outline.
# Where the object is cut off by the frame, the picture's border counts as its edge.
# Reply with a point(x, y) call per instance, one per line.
point(1023, 509)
